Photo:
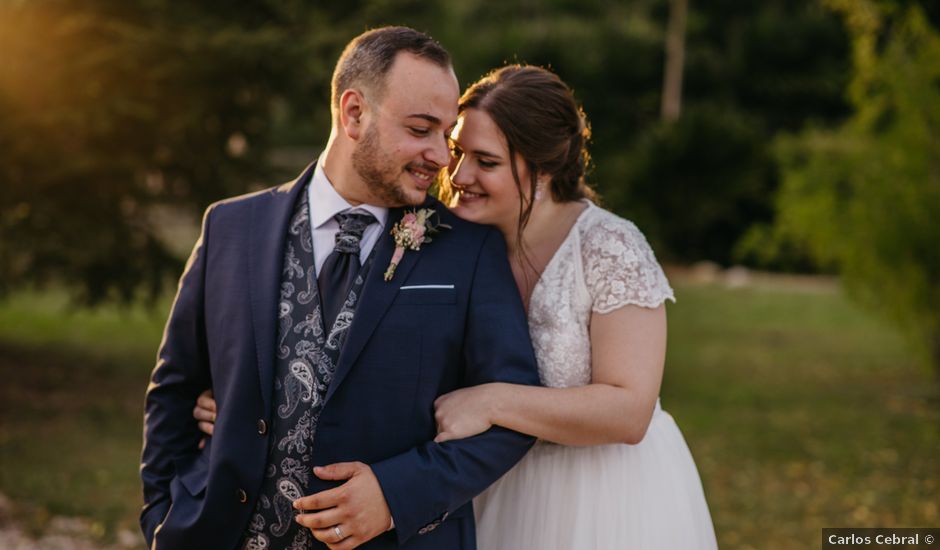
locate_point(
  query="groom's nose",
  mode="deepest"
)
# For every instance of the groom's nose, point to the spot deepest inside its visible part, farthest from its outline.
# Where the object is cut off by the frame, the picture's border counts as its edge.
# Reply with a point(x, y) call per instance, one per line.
point(438, 153)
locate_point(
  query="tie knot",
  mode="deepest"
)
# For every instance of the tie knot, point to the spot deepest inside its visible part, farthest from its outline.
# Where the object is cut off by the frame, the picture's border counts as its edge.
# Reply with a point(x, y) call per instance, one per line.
point(351, 227)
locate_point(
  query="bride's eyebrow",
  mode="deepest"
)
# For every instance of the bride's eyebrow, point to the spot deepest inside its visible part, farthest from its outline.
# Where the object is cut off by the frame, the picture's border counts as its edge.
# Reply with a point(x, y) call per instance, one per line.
point(484, 153)
point(476, 152)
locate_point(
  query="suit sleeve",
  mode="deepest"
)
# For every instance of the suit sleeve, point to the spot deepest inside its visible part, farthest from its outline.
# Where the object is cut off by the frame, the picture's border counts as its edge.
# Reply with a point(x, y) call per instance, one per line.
point(181, 373)
point(429, 481)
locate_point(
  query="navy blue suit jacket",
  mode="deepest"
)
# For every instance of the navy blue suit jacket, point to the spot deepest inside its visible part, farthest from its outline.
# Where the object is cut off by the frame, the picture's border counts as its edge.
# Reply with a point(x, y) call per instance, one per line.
point(406, 347)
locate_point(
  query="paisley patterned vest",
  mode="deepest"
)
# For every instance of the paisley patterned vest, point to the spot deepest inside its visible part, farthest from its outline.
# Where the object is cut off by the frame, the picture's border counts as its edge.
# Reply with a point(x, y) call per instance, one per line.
point(305, 362)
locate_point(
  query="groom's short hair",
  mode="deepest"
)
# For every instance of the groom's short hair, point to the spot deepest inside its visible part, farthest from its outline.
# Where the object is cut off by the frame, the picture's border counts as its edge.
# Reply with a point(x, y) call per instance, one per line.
point(367, 59)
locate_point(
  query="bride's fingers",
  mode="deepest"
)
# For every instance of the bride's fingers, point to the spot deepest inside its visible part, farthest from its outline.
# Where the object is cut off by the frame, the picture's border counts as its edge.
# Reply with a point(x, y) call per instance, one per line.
point(443, 436)
point(202, 414)
point(206, 401)
point(206, 427)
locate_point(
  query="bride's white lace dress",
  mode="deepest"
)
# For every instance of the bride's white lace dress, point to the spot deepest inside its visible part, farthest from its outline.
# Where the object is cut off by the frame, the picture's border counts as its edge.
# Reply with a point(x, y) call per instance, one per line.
point(605, 497)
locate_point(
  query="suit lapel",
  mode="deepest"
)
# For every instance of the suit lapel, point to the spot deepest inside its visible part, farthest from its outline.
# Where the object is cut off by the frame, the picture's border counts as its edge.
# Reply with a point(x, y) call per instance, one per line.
point(267, 235)
point(377, 296)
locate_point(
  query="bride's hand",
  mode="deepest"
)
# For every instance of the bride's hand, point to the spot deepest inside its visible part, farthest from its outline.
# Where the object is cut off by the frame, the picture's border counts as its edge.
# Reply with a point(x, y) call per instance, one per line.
point(204, 413)
point(464, 412)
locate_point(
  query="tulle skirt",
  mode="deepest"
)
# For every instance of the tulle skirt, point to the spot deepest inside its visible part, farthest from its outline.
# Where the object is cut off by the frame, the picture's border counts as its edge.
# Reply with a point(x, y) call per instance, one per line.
point(607, 497)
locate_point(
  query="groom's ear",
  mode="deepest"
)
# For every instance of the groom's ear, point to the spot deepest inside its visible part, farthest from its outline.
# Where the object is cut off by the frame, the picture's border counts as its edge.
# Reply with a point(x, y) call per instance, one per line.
point(351, 108)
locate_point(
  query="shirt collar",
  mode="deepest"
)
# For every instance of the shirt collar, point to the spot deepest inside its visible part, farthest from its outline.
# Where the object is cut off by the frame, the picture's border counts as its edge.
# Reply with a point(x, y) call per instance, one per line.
point(325, 202)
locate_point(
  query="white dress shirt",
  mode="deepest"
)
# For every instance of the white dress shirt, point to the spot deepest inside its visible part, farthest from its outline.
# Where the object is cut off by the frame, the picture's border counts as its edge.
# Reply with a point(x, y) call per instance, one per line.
point(325, 203)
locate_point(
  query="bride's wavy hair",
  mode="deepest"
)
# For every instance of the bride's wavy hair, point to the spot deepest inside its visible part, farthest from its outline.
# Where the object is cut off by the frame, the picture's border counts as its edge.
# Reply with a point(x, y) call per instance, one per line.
point(537, 113)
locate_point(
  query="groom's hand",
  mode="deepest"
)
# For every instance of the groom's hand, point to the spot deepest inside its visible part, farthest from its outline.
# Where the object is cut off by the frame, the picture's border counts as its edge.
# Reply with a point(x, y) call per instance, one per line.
point(357, 507)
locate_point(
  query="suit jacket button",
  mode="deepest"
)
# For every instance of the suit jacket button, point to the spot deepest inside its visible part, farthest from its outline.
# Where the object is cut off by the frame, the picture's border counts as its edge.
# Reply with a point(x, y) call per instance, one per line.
point(242, 496)
point(262, 427)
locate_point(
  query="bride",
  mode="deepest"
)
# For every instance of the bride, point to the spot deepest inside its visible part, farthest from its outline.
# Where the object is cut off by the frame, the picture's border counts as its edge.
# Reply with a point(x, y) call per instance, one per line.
point(611, 469)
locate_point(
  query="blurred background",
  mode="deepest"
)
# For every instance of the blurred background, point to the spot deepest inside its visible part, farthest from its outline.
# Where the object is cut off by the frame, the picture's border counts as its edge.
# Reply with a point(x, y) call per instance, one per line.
point(782, 156)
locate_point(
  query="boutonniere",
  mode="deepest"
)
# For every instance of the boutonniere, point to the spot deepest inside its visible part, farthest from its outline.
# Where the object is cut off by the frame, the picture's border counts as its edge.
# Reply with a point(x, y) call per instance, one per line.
point(414, 229)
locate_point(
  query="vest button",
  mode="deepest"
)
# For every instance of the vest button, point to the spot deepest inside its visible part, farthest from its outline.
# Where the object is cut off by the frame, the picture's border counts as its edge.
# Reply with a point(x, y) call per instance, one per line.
point(262, 427)
point(242, 496)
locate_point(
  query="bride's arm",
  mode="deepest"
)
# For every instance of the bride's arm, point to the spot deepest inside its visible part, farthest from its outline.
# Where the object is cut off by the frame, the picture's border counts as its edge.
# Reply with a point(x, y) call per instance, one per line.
point(628, 349)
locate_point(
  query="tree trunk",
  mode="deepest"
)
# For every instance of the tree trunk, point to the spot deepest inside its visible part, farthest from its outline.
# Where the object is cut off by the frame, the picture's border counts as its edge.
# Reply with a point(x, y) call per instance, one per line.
point(935, 352)
point(675, 59)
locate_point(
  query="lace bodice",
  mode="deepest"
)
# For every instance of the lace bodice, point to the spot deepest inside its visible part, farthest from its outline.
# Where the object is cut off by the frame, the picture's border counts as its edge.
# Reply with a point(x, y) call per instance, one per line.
point(603, 264)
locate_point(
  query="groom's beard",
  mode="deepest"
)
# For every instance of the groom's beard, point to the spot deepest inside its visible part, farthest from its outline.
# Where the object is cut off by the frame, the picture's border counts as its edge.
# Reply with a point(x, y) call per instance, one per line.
point(378, 170)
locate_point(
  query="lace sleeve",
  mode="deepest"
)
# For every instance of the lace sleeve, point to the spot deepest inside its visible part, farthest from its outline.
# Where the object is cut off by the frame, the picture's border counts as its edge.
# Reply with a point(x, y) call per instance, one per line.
point(620, 267)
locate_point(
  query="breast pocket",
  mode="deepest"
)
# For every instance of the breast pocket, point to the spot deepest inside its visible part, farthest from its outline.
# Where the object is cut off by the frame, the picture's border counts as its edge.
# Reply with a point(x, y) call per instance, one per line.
point(426, 295)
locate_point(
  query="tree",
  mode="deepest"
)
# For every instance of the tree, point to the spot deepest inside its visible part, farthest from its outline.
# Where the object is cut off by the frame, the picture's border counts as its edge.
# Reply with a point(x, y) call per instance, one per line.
point(675, 54)
point(112, 111)
point(751, 70)
point(865, 197)
point(108, 109)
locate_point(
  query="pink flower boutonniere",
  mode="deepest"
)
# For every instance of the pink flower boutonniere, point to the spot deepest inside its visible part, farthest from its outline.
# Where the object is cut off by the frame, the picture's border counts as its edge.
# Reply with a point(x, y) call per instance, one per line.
point(414, 229)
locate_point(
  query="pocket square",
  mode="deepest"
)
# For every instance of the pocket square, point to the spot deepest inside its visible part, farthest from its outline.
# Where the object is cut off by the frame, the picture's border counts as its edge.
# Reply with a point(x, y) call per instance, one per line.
point(427, 287)
point(427, 294)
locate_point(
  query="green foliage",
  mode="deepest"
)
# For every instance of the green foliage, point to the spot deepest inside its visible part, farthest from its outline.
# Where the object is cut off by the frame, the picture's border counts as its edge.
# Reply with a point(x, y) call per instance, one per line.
point(865, 197)
point(752, 70)
point(694, 185)
point(108, 109)
point(113, 113)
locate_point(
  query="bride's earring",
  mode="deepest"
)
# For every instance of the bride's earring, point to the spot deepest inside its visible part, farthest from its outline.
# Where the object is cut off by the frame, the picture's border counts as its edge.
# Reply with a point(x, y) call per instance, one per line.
point(539, 187)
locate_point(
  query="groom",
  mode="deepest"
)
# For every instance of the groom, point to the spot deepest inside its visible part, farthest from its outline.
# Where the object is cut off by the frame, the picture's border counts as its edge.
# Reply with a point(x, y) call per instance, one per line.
point(325, 370)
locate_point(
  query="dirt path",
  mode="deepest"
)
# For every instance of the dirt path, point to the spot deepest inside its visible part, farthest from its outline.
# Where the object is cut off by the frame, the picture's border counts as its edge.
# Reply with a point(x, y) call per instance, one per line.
point(61, 533)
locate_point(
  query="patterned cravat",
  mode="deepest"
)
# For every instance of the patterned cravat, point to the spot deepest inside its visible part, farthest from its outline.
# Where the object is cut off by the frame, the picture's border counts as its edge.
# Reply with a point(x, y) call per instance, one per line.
point(341, 266)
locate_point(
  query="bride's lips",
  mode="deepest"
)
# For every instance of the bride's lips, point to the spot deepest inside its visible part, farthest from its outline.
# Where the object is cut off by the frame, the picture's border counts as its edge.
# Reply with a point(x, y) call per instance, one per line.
point(467, 197)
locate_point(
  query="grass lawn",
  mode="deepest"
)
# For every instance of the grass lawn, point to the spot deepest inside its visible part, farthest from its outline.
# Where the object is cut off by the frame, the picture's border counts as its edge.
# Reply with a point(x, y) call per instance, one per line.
point(71, 408)
point(802, 412)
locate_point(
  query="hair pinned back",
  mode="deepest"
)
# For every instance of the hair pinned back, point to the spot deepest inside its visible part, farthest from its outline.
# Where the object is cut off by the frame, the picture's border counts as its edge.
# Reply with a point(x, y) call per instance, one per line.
point(537, 113)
